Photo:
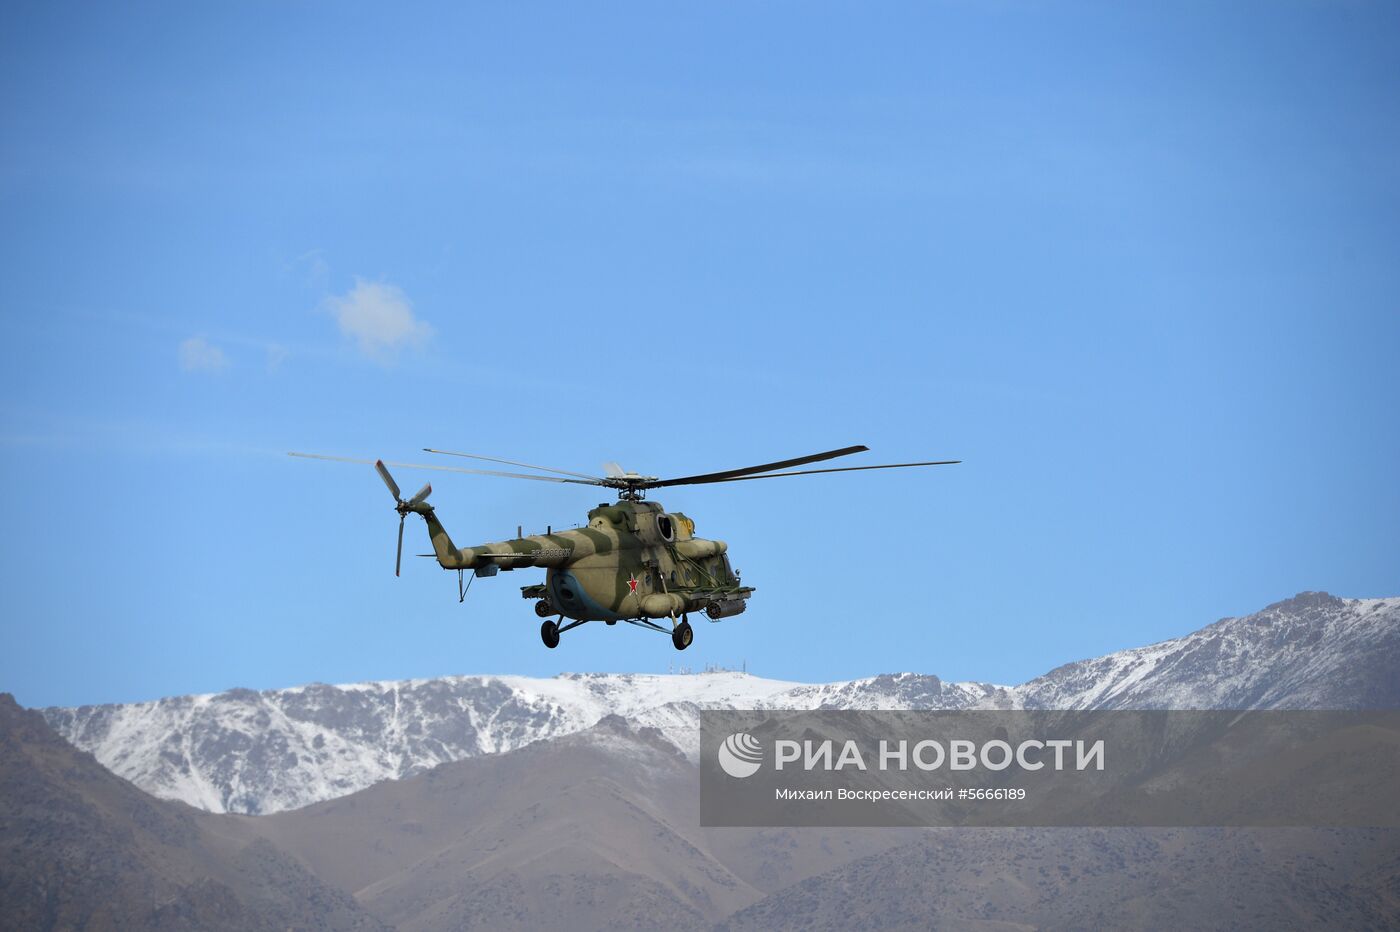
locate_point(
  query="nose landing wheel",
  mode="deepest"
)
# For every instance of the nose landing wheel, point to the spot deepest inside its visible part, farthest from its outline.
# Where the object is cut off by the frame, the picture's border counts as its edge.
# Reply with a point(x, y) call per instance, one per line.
point(681, 635)
point(549, 633)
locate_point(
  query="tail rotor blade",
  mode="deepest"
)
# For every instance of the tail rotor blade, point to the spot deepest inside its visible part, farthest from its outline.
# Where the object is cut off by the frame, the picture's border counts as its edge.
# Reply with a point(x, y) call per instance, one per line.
point(388, 479)
point(398, 557)
point(422, 495)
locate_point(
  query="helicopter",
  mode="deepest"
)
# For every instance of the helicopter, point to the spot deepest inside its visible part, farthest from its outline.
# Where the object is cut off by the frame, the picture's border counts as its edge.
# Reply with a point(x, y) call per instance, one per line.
point(634, 561)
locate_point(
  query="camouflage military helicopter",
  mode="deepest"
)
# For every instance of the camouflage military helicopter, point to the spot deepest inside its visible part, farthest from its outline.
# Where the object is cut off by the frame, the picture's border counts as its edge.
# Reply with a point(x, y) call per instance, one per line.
point(633, 562)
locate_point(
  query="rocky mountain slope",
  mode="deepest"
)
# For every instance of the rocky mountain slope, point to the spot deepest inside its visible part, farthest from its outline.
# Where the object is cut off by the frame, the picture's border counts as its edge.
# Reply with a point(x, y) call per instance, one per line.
point(83, 849)
point(598, 829)
point(998, 880)
point(259, 752)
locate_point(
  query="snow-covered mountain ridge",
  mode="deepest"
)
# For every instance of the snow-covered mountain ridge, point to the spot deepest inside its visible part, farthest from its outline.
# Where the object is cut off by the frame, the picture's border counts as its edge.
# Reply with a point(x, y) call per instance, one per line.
point(1313, 651)
point(256, 752)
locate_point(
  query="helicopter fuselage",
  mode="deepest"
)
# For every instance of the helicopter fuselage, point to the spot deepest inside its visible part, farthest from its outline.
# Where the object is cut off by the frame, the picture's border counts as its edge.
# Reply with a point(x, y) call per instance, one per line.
point(632, 560)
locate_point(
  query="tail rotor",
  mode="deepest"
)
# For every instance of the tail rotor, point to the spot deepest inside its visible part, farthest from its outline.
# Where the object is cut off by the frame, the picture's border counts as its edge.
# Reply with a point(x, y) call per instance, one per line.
point(401, 506)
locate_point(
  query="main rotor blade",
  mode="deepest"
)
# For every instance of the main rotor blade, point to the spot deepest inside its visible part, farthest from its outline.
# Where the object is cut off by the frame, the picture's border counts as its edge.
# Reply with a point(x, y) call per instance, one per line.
point(398, 557)
point(492, 459)
point(749, 470)
point(812, 472)
point(388, 480)
point(474, 472)
point(422, 495)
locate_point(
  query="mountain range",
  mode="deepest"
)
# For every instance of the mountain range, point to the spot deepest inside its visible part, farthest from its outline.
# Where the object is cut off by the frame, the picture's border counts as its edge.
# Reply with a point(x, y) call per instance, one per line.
point(572, 803)
point(261, 752)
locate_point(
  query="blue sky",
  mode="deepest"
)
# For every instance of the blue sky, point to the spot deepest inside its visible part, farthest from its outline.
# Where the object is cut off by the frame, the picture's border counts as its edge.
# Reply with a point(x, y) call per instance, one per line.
point(1136, 267)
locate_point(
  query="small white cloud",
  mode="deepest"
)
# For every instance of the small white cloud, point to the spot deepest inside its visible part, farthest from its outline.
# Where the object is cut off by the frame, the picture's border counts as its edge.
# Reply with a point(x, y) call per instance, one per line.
point(312, 266)
point(380, 318)
point(276, 355)
point(199, 355)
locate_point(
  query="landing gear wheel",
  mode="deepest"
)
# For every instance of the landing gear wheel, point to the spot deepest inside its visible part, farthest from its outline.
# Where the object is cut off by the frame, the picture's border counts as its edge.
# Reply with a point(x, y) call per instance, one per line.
point(681, 635)
point(610, 621)
point(549, 633)
point(544, 609)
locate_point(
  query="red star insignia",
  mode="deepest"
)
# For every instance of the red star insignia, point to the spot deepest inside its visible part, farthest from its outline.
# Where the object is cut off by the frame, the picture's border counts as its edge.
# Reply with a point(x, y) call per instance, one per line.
point(632, 582)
